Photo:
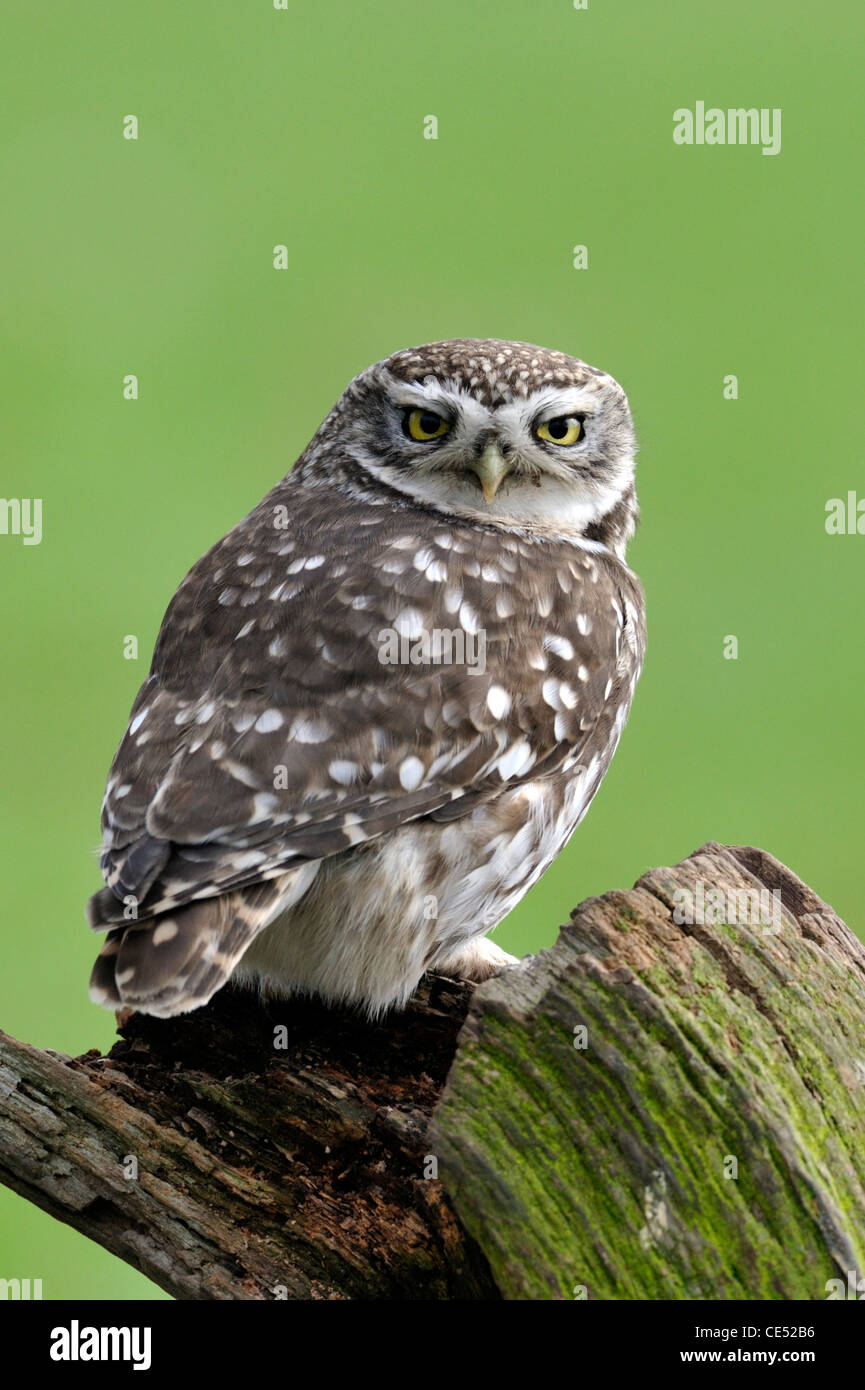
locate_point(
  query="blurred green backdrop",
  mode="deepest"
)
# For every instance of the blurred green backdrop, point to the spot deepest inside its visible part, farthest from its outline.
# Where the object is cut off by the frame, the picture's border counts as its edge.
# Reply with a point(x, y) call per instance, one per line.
point(304, 126)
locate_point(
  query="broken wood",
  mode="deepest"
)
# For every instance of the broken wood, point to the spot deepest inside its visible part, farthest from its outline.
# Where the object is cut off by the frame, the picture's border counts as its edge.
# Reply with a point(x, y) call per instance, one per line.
point(652, 1109)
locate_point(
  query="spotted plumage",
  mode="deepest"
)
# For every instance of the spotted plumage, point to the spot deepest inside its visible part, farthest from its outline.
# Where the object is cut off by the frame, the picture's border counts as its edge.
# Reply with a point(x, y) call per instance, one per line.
point(380, 705)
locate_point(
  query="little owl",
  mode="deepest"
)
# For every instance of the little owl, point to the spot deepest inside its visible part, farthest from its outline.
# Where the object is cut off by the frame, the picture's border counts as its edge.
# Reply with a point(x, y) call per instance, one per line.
point(381, 704)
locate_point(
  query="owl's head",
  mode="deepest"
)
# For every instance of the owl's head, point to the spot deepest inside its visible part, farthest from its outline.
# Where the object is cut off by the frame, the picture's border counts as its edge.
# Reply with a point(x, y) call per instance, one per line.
point(500, 433)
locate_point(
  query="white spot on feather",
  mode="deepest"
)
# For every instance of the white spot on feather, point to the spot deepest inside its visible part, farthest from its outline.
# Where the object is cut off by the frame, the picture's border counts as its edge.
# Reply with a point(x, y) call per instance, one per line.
point(498, 701)
point(409, 623)
point(268, 722)
point(343, 771)
point(516, 759)
point(411, 772)
point(308, 730)
point(552, 697)
point(468, 618)
point(560, 645)
point(137, 721)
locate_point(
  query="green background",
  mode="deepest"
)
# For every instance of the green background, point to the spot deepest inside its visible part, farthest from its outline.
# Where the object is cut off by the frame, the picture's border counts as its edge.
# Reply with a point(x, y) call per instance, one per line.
point(304, 127)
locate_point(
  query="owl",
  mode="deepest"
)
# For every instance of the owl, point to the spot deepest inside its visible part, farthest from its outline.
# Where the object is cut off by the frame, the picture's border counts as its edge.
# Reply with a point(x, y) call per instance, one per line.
point(381, 704)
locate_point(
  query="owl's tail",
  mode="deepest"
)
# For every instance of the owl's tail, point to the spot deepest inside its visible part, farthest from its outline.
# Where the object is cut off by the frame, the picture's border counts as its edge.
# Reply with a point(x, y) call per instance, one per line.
point(177, 961)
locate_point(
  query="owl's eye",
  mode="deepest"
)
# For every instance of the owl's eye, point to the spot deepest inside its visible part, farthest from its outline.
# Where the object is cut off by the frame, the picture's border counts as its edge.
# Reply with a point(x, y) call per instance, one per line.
point(425, 424)
point(564, 429)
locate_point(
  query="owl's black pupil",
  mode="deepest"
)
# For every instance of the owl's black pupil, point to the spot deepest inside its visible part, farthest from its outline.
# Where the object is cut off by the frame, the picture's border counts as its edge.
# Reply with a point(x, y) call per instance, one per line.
point(558, 428)
point(429, 422)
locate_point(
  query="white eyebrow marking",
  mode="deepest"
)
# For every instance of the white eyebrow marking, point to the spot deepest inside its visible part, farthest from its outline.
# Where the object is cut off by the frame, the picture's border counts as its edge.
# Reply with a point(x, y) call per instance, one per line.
point(444, 397)
point(548, 401)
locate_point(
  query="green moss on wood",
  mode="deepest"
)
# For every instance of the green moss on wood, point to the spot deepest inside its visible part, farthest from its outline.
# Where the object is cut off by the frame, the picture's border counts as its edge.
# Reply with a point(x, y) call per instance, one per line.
point(604, 1167)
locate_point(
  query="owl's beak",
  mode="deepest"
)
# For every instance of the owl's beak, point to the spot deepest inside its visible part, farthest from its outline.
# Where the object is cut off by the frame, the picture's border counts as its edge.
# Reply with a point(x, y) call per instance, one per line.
point(491, 468)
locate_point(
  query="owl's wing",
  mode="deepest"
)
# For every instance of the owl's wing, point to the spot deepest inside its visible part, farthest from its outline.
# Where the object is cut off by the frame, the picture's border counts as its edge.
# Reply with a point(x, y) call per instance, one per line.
point(293, 711)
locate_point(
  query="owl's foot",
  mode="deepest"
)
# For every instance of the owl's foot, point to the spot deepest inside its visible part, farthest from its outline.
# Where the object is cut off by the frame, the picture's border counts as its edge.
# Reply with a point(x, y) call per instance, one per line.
point(477, 961)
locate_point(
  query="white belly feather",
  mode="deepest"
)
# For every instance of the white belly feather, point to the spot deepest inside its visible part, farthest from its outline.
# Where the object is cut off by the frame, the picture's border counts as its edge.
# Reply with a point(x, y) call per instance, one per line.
point(375, 918)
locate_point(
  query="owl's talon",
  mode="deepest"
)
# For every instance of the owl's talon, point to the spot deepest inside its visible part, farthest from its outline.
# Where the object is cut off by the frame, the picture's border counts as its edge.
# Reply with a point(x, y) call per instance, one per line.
point(477, 961)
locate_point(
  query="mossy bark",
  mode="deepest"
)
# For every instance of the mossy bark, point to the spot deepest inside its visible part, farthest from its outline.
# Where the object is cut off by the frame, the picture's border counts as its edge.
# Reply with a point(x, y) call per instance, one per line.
point(708, 1140)
point(651, 1109)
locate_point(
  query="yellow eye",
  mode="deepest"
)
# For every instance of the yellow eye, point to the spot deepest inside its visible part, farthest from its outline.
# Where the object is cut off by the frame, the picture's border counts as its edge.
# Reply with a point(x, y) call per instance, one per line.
point(425, 424)
point(564, 429)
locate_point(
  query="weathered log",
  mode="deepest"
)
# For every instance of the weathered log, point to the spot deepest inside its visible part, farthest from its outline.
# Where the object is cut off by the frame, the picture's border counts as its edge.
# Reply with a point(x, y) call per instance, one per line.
point(709, 1139)
point(246, 1153)
point(651, 1109)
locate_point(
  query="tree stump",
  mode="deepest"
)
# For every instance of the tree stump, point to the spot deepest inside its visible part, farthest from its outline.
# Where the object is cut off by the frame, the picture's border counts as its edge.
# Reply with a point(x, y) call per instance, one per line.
point(654, 1108)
